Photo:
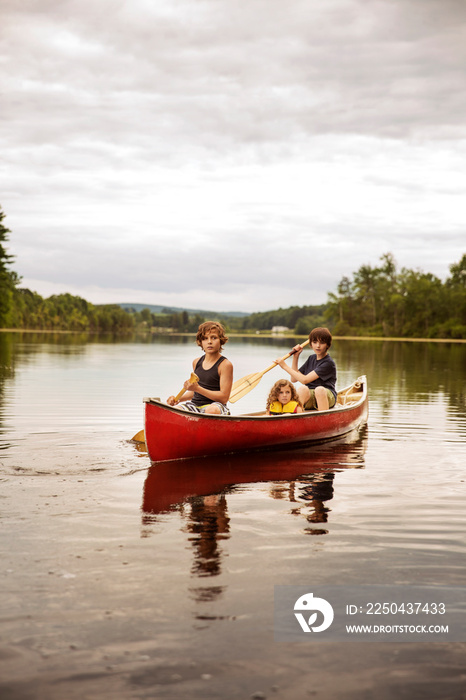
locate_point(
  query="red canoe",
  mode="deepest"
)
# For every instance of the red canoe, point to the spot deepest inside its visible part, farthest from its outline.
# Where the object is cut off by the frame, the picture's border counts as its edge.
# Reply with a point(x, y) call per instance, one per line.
point(172, 433)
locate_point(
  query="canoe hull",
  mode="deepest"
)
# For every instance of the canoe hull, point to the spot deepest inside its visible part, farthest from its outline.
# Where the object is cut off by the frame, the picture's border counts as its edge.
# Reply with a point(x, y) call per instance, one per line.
point(172, 433)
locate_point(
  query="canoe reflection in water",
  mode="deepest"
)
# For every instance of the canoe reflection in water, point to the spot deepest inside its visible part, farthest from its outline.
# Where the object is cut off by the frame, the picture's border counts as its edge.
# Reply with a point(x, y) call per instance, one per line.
point(198, 490)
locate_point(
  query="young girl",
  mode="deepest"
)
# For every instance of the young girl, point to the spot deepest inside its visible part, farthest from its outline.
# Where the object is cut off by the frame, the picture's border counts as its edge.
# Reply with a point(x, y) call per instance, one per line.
point(283, 398)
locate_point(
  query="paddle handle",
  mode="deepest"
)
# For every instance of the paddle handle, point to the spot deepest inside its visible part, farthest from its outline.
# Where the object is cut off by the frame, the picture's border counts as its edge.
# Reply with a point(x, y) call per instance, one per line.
point(193, 379)
point(292, 352)
point(243, 386)
point(285, 357)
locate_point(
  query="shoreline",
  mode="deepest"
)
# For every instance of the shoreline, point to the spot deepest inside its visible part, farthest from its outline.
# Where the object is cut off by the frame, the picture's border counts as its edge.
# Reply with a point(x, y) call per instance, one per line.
point(246, 335)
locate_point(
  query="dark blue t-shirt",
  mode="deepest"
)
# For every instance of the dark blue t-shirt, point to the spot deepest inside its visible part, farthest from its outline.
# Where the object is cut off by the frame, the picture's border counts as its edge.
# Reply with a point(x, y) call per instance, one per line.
point(325, 368)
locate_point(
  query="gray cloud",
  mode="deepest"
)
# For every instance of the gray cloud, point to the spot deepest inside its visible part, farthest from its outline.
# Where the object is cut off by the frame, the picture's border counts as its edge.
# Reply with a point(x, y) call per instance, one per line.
point(147, 145)
point(217, 71)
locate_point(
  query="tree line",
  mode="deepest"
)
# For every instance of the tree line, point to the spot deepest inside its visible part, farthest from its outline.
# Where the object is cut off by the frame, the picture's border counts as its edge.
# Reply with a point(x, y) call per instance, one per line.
point(382, 301)
point(375, 301)
point(65, 312)
point(21, 308)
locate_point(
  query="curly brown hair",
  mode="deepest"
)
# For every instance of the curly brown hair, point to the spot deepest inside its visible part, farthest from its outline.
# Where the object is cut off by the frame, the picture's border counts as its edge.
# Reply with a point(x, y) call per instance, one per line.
point(275, 390)
point(208, 326)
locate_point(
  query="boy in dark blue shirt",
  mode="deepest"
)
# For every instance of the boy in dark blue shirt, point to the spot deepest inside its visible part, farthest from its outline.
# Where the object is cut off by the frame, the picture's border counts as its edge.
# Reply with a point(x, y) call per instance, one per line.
point(318, 374)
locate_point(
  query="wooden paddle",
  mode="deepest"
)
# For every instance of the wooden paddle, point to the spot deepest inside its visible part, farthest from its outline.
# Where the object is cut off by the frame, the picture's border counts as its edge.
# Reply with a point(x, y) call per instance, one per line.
point(193, 379)
point(139, 437)
point(243, 386)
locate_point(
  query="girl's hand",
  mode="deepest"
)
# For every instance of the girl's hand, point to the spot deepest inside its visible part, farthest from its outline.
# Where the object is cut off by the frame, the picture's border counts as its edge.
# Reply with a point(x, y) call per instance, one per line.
point(297, 350)
point(171, 401)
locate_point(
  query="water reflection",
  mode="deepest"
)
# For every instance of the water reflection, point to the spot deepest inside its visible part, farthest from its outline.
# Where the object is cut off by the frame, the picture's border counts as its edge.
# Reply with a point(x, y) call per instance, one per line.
point(207, 524)
point(311, 496)
point(413, 371)
point(7, 359)
point(7, 370)
point(199, 488)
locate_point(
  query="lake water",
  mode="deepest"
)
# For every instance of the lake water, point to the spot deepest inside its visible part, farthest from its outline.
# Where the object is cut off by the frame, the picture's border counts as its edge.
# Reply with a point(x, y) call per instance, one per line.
point(120, 580)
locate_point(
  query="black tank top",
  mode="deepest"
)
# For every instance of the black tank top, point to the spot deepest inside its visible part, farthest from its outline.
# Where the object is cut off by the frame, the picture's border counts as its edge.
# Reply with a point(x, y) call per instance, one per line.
point(208, 379)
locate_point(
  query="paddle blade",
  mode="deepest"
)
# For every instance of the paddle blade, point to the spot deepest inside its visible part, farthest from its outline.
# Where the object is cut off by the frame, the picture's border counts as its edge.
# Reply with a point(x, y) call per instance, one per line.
point(139, 437)
point(244, 386)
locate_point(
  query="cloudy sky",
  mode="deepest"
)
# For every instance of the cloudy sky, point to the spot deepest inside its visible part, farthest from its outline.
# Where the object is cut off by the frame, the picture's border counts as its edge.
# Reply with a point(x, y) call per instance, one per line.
point(230, 154)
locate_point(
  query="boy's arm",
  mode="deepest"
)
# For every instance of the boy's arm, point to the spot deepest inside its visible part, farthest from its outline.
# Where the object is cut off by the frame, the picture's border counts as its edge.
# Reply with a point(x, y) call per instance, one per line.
point(187, 396)
point(297, 352)
point(293, 371)
point(296, 375)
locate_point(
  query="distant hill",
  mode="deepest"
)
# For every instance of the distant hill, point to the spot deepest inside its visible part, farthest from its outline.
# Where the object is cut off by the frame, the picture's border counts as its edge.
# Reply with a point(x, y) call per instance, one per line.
point(156, 309)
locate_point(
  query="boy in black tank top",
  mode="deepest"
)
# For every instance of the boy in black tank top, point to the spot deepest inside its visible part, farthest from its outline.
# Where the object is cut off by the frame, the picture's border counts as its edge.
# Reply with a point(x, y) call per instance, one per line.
point(215, 374)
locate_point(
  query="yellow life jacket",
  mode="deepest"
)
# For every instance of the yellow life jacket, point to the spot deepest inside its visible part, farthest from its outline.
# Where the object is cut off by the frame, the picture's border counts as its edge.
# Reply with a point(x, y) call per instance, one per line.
point(276, 407)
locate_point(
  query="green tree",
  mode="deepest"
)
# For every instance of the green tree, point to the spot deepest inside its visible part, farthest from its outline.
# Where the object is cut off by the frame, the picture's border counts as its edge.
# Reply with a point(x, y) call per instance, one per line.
point(365, 288)
point(26, 309)
point(8, 278)
point(340, 309)
point(458, 274)
point(425, 304)
point(146, 317)
point(380, 301)
point(456, 291)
